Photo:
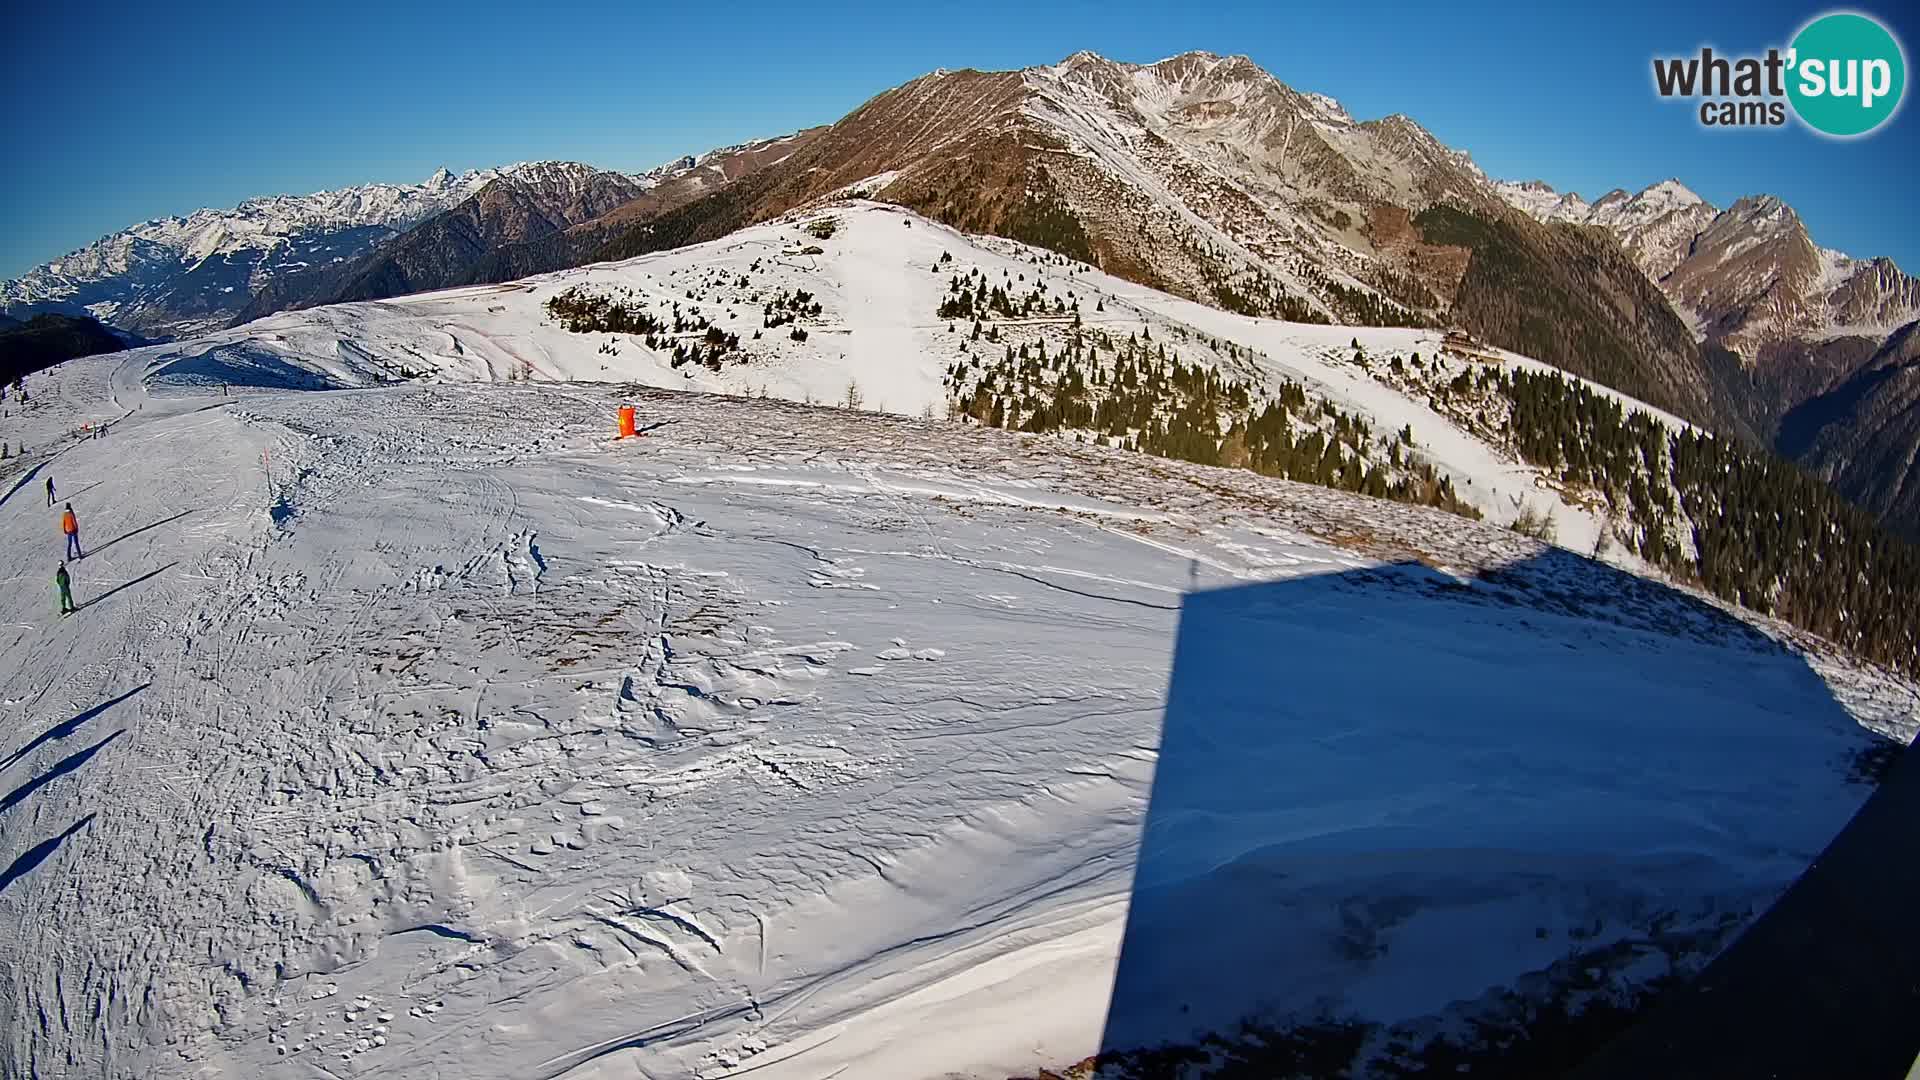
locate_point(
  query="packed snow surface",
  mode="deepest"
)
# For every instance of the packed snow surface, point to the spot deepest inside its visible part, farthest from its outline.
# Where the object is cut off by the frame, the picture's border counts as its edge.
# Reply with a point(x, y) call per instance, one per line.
point(427, 730)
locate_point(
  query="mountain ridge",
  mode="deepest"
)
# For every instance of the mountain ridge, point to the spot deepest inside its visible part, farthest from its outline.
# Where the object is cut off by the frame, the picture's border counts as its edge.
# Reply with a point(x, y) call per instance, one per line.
point(1207, 176)
point(515, 226)
point(1798, 335)
point(178, 275)
point(1705, 258)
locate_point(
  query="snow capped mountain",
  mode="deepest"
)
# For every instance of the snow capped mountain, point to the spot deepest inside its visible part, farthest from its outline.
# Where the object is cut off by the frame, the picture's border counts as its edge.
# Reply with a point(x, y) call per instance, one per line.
point(1538, 199)
point(1655, 227)
point(666, 169)
point(254, 224)
point(1746, 277)
point(1200, 172)
point(1658, 200)
point(180, 275)
point(1240, 129)
point(552, 175)
point(1756, 277)
point(529, 218)
point(563, 193)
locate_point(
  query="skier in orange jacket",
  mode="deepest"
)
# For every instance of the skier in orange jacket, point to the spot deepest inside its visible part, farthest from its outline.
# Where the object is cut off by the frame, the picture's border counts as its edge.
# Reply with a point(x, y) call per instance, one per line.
point(71, 526)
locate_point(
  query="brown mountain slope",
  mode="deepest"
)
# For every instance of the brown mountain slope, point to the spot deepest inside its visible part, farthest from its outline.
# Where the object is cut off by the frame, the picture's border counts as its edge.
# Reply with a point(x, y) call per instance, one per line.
point(1207, 177)
point(507, 211)
point(1569, 295)
point(539, 217)
point(674, 186)
point(1863, 436)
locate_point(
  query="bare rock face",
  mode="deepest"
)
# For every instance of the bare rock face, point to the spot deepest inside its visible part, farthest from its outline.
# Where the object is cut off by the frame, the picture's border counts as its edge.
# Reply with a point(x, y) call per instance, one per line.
point(1749, 276)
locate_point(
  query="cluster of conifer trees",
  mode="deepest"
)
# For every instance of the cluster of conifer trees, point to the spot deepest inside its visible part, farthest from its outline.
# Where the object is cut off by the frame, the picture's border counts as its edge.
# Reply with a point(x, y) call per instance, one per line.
point(1137, 395)
point(1372, 309)
point(969, 296)
point(1253, 292)
point(1744, 525)
point(1257, 294)
point(582, 311)
point(786, 307)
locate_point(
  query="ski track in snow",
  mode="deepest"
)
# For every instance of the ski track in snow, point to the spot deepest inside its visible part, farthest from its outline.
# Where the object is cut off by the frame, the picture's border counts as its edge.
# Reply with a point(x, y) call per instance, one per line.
point(428, 731)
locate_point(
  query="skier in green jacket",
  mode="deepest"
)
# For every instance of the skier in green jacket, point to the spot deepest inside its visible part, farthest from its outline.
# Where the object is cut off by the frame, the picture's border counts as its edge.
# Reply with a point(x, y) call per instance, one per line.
point(65, 584)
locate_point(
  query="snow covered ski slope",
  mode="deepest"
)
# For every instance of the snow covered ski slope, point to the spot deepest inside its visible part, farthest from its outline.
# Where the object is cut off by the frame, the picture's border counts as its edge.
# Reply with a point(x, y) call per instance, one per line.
point(877, 280)
point(426, 731)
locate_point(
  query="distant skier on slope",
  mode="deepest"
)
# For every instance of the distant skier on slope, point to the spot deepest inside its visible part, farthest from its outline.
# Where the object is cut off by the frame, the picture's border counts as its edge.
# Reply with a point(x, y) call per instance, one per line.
point(71, 526)
point(65, 585)
point(49, 491)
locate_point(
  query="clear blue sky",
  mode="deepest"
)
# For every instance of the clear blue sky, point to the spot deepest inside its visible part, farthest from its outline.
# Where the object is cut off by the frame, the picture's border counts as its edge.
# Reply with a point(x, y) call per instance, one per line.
point(120, 113)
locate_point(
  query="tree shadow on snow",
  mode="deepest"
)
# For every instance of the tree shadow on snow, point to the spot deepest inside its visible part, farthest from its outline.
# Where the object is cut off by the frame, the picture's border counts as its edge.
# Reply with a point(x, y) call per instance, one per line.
point(1405, 823)
point(67, 727)
point(243, 365)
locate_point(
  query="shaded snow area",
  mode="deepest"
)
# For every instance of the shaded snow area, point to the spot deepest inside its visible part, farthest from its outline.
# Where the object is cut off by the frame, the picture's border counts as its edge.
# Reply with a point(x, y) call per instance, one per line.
point(427, 731)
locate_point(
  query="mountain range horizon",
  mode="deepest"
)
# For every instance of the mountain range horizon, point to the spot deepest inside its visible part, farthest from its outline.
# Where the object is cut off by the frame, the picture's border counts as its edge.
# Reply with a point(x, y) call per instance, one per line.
point(1202, 175)
point(1542, 170)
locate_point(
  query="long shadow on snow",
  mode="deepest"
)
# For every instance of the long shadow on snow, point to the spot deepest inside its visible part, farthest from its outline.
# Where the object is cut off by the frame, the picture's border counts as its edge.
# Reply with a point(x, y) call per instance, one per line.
point(1825, 983)
point(69, 496)
point(67, 727)
point(1403, 823)
point(143, 528)
point(244, 364)
point(123, 586)
point(25, 479)
point(38, 853)
point(63, 767)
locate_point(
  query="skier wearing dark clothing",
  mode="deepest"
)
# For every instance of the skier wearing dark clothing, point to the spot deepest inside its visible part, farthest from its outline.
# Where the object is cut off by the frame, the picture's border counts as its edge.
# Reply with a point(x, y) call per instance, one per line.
point(49, 491)
point(71, 526)
point(65, 585)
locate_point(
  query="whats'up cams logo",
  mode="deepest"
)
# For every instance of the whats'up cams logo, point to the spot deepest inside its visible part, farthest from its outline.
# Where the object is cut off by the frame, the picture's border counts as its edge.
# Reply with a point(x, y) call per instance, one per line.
point(1844, 75)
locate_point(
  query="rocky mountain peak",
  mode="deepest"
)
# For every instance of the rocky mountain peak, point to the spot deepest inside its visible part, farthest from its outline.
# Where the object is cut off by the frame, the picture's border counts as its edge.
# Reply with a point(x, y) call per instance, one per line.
point(1768, 213)
point(1672, 192)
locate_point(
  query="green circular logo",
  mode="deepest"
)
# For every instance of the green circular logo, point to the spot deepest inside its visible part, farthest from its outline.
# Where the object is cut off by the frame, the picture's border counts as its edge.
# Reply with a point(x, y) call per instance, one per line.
point(1848, 74)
